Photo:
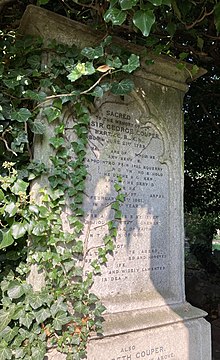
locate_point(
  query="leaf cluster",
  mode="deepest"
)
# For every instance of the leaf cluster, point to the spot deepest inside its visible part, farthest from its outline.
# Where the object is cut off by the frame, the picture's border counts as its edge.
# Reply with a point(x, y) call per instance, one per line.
point(34, 96)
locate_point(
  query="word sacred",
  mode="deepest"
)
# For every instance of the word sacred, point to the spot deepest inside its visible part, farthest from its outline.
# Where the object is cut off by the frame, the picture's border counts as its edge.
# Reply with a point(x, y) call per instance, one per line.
point(118, 115)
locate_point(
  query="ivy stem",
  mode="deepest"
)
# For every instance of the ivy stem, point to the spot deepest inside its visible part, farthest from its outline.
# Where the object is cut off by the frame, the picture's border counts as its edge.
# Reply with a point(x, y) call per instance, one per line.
point(48, 98)
point(6, 144)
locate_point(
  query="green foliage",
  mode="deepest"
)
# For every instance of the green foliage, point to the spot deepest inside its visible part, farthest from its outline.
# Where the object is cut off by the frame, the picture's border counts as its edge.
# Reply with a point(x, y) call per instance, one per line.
point(63, 313)
point(143, 20)
point(200, 230)
point(217, 16)
point(123, 87)
point(116, 16)
point(202, 187)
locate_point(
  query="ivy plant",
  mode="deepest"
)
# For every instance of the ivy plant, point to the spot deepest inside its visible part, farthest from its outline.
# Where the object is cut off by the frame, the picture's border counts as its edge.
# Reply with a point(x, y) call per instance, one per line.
point(63, 312)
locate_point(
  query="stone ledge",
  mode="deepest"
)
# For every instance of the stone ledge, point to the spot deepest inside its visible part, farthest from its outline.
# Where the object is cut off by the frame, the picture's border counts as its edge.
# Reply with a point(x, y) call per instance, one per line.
point(136, 320)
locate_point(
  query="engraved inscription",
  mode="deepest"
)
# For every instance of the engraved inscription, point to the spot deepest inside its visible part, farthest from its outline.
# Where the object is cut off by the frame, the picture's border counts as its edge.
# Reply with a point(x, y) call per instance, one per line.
point(152, 353)
point(119, 145)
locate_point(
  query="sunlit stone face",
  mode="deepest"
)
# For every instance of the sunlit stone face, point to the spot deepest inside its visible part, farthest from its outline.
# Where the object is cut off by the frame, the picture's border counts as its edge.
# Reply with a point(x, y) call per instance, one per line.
point(122, 145)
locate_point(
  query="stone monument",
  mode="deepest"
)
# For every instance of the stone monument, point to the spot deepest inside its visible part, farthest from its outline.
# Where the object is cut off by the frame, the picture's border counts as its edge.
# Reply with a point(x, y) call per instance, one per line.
point(140, 138)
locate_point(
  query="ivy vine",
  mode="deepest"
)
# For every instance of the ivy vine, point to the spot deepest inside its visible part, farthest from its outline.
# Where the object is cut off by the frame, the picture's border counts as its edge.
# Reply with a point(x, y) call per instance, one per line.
point(64, 312)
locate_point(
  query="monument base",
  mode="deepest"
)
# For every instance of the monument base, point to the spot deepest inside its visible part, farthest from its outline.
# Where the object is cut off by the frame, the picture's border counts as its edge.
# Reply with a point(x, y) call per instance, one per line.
point(177, 333)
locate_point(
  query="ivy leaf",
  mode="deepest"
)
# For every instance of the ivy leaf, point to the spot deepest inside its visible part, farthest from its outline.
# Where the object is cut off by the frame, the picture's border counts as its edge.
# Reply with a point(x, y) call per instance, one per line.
point(19, 186)
point(18, 229)
point(78, 199)
point(56, 142)
point(11, 83)
point(7, 239)
point(5, 353)
point(107, 40)
point(93, 298)
point(22, 115)
point(81, 69)
point(5, 318)
point(69, 265)
point(15, 290)
point(74, 75)
point(34, 61)
point(217, 17)
point(116, 16)
point(11, 209)
point(200, 42)
point(19, 141)
point(38, 353)
point(34, 95)
point(36, 300)
point(45, 83)
point(180, 66)
point(115, 205)
point(18, 312)
point(52, 113)
point(183, 55)
point(156, 2)
point(176, 10)
point(93, 53)
point(111, 225)
point(42, 314)
point(133, 64)
point(107, 239)
point(110, 246)
point(19, 353)
point(57, 103)
point(59, 129)
point(113, 232)
point(143, 20)
point(79, 307)
point(118, 215)
point(58, 306)
point(123, 87)
point(120, 197)
point(98, 92)
point(127, 4)
point(171, 28)
point(37, 127)
point(26, 319)
point(40, 228)
point(99, 309)
point(78, 248)
point(114, 63)
point(9, 333)
point(61, 319)
point(194, 70)
point(2, 195)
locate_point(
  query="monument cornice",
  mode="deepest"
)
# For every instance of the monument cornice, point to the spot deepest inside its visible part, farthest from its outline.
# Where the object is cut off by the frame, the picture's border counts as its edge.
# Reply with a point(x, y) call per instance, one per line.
point(49, 25)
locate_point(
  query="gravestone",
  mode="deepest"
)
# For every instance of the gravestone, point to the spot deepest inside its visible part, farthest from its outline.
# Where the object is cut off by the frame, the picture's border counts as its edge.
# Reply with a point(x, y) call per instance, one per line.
point(138, 137)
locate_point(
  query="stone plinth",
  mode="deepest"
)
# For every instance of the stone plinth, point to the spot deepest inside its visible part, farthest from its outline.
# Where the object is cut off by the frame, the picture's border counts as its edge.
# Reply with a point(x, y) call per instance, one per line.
point(140, 138)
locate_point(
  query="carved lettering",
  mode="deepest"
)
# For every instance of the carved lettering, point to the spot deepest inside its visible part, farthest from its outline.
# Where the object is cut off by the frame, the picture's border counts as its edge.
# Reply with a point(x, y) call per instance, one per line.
point(118, 145)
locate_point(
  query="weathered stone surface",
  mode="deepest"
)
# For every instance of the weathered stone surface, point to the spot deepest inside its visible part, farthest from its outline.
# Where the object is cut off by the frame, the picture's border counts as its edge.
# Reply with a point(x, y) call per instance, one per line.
point(139, 137)
point(178, 341)
point(129, 140)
